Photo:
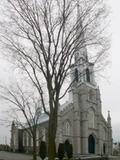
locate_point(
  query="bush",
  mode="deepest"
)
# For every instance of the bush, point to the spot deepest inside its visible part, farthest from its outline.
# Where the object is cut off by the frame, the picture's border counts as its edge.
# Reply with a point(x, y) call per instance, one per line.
point(66, 145)
point(43, 150)
point(70, 151)
point(61, 151)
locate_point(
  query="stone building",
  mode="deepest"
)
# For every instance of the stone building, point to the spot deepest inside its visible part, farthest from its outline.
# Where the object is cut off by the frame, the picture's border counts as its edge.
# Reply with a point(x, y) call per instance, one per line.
point(80, 119)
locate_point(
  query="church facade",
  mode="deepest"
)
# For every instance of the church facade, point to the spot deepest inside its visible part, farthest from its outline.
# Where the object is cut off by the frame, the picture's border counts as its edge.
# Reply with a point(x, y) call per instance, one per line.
point(80, 119)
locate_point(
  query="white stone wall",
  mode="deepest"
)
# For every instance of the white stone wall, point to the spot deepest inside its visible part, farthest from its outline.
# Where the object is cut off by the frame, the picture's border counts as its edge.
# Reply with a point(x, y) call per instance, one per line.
point(79, 119)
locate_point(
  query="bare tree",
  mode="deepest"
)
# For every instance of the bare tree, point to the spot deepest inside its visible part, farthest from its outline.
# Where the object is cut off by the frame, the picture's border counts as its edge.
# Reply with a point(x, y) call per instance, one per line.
point(44, 37)
point(25, 110)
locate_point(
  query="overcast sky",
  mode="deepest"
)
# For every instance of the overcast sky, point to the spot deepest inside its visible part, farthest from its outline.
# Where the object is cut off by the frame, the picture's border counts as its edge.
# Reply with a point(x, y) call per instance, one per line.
point(109, 86)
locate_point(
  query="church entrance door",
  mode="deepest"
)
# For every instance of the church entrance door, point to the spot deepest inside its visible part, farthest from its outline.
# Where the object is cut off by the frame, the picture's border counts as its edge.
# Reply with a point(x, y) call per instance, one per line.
point(104, 148)
point(91, 144)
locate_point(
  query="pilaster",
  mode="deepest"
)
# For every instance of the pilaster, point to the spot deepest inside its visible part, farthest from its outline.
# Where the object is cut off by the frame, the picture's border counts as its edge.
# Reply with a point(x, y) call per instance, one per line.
point(77, 135)
point(84, 136)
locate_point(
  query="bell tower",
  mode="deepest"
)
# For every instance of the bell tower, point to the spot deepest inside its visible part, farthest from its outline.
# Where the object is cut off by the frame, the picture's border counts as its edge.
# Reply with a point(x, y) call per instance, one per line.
point(82, 70)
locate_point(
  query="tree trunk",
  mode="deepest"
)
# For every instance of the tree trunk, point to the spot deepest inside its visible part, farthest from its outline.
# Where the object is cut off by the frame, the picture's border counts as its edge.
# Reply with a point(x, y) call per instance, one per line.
point(52, 135)
point(34, 149)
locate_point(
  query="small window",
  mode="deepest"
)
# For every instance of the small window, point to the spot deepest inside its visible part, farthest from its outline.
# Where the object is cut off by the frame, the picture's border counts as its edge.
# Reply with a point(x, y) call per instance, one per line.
point(87, 75)
point(76, 75)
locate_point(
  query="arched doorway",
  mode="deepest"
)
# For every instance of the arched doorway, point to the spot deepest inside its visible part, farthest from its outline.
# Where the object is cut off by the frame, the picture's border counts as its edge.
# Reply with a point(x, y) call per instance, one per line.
point(91, 144)
point(104, 148)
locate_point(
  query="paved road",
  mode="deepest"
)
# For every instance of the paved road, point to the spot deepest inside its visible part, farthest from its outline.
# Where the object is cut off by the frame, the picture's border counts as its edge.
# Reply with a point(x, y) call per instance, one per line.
point(14, 156)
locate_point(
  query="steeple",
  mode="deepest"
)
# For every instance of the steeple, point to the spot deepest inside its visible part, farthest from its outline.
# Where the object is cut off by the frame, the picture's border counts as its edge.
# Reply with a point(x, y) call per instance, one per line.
point(109, 118)
point(82, 70)
point(81, 50)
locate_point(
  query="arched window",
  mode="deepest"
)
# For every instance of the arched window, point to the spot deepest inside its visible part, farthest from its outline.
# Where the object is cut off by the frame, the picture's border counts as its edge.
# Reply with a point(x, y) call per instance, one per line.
point(76, 75)
point(67, 128)
point(91, 118)
point(24, 138)
point(87, 75)
point(29, 140)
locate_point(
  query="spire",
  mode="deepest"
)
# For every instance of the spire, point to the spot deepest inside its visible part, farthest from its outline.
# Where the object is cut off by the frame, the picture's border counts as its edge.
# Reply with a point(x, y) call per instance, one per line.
point(109, 118)
point(81, 52)
point(83, 70)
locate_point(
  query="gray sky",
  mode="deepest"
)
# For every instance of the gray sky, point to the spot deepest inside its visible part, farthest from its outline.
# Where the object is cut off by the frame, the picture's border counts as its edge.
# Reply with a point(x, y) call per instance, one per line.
point(109, 86)
point(111, 90)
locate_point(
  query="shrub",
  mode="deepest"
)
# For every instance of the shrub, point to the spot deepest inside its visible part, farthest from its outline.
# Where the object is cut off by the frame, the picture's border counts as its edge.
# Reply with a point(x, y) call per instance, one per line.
point(61, 151)
point(70, 151)
point(66, 145)
point(43, 150)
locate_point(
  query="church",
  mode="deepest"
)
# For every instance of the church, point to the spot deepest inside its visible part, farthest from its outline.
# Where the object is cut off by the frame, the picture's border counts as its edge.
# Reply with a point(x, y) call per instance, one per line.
point(80, 119)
